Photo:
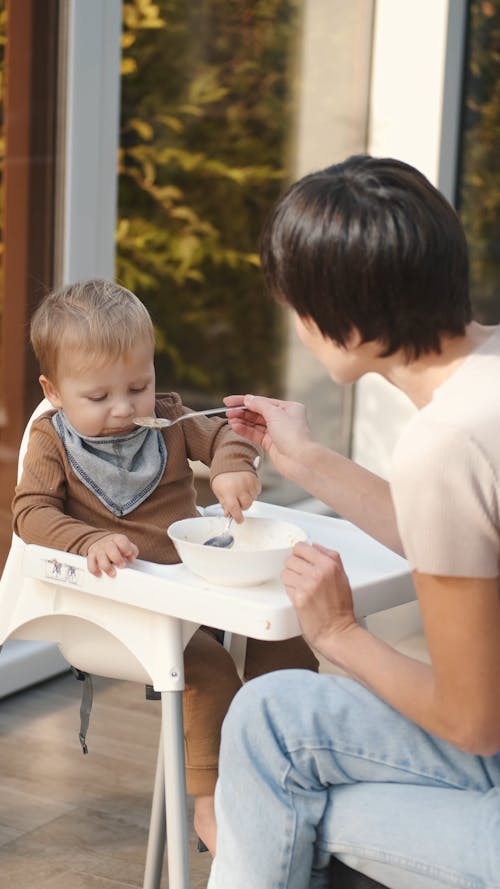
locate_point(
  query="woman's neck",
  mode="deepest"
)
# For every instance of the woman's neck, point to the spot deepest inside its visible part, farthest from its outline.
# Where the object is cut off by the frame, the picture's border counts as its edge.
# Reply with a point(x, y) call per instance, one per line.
point(419, 379)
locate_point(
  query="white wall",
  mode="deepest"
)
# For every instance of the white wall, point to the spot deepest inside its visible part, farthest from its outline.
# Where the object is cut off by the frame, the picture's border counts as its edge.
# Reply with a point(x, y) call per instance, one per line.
point(408, 80)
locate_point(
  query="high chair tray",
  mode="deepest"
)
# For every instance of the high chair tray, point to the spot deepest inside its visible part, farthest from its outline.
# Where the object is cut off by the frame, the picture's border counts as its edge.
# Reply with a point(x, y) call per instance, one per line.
point(379, 579)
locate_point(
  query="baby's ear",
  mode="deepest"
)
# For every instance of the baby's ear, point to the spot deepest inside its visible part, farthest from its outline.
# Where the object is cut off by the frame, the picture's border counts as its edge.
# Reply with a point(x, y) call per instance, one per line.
point(50, 391)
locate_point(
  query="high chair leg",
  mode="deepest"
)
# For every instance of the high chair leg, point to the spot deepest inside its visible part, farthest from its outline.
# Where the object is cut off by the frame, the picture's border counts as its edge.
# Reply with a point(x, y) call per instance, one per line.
point(175, 787)
point(157, 827)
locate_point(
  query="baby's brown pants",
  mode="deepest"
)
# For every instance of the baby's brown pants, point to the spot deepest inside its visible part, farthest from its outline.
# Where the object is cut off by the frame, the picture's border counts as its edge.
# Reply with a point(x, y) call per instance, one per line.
point(211, 683)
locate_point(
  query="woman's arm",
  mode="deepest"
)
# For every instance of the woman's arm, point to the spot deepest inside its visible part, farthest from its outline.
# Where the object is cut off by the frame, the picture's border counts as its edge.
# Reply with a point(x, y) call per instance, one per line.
point(456, 697)
point(354, 492)
point(281, 428)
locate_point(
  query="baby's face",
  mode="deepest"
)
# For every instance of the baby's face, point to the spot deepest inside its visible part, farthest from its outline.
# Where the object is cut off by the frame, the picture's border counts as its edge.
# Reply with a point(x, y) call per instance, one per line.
point(104, 399)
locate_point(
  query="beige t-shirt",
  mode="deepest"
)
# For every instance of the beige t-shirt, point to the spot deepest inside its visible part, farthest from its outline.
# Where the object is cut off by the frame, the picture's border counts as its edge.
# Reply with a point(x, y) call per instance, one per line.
point(446, 470)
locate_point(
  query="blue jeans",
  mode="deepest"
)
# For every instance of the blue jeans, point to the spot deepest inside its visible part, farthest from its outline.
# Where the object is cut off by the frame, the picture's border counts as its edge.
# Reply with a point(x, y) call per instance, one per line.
point(317, 765)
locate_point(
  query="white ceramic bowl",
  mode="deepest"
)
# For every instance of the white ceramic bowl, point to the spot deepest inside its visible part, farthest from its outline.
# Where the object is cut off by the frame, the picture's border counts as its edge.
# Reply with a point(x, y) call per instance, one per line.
point(257, 555)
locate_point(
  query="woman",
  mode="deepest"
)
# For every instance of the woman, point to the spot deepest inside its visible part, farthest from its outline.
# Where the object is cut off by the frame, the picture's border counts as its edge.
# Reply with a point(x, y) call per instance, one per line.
point(394, 767)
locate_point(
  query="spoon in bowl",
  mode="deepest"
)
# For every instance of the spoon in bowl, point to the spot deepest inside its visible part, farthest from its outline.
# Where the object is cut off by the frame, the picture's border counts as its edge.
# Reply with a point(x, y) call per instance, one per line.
point(224, 540)
point(163, 423)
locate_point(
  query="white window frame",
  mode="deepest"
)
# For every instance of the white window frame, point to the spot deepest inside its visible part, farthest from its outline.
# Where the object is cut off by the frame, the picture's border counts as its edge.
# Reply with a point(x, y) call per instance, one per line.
point(89, 114)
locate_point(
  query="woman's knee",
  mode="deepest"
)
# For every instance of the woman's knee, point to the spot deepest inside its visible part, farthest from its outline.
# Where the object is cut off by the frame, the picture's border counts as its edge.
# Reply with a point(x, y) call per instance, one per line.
point(283, 694)
point(298, 704)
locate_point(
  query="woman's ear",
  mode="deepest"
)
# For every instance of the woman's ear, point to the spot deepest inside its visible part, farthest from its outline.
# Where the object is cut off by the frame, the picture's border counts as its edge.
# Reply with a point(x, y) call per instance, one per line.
point(353, 338)
point(50, 391)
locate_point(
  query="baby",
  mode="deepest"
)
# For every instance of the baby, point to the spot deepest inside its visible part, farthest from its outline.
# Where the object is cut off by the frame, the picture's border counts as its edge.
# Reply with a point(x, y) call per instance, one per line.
point(95, 484)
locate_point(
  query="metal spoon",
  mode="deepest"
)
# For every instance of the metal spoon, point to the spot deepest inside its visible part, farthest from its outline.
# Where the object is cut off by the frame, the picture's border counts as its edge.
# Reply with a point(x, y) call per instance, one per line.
point(223, 540)
point(162, 423)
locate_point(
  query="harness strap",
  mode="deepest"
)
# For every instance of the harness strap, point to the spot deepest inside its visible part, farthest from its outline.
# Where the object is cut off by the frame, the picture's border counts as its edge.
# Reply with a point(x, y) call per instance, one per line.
point(85, 706)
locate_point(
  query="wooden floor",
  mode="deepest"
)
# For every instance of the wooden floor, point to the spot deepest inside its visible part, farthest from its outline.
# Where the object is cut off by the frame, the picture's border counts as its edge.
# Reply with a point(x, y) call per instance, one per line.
point(69, 821)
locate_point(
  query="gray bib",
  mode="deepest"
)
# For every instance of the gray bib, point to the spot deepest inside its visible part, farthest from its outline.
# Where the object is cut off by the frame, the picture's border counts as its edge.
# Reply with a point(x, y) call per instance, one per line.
point(121, 470)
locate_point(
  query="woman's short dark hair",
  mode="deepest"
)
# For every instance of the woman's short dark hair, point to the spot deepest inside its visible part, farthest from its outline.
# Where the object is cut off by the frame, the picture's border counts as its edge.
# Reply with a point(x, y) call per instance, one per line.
point(370, 244)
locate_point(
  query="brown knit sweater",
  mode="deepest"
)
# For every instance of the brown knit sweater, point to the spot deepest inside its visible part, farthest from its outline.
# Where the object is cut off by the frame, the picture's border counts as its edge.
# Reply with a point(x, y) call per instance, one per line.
point(52, 507)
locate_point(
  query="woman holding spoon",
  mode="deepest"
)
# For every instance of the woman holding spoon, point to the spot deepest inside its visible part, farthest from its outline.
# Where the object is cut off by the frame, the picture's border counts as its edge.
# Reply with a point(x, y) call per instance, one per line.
point(394, 766)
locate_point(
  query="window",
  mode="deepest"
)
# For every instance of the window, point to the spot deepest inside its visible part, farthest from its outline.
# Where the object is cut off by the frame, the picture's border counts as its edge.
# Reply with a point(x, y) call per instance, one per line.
point(206, 118)
point(211, 128)
point(28, 32)
point(479, 179)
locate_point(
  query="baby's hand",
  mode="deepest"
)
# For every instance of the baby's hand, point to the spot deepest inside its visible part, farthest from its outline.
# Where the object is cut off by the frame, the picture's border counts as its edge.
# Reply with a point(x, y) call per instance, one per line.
point(110, 551)
point(236, 491)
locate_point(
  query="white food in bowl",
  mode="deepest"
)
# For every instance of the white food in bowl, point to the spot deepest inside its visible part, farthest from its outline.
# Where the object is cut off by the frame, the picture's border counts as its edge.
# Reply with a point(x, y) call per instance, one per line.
point(257, 555)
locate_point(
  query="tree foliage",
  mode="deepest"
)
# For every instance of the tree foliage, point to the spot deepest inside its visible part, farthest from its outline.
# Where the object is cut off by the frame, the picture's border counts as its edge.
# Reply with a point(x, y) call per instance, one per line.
point(207, 111)
point(479, 199)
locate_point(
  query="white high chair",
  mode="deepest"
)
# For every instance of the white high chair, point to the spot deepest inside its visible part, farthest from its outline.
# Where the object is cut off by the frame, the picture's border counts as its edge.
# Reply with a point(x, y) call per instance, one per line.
point(136, 626)
point(133, 627)
point(111, 638)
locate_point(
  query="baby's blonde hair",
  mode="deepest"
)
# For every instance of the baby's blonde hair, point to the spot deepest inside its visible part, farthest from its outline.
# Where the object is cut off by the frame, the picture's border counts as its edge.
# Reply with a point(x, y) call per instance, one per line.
point(97, 317)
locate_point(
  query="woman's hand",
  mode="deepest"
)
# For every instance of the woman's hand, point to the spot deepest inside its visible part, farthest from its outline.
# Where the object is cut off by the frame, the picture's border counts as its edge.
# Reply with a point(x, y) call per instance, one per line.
point(109, 553)
point(280, 427)
point(319, 589)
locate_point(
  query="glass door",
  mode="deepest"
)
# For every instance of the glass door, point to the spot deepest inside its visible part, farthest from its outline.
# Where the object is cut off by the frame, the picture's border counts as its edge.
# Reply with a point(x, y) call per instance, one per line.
point(28, 32)
point(213, 104)
point(28, 69)
point(479, 181)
